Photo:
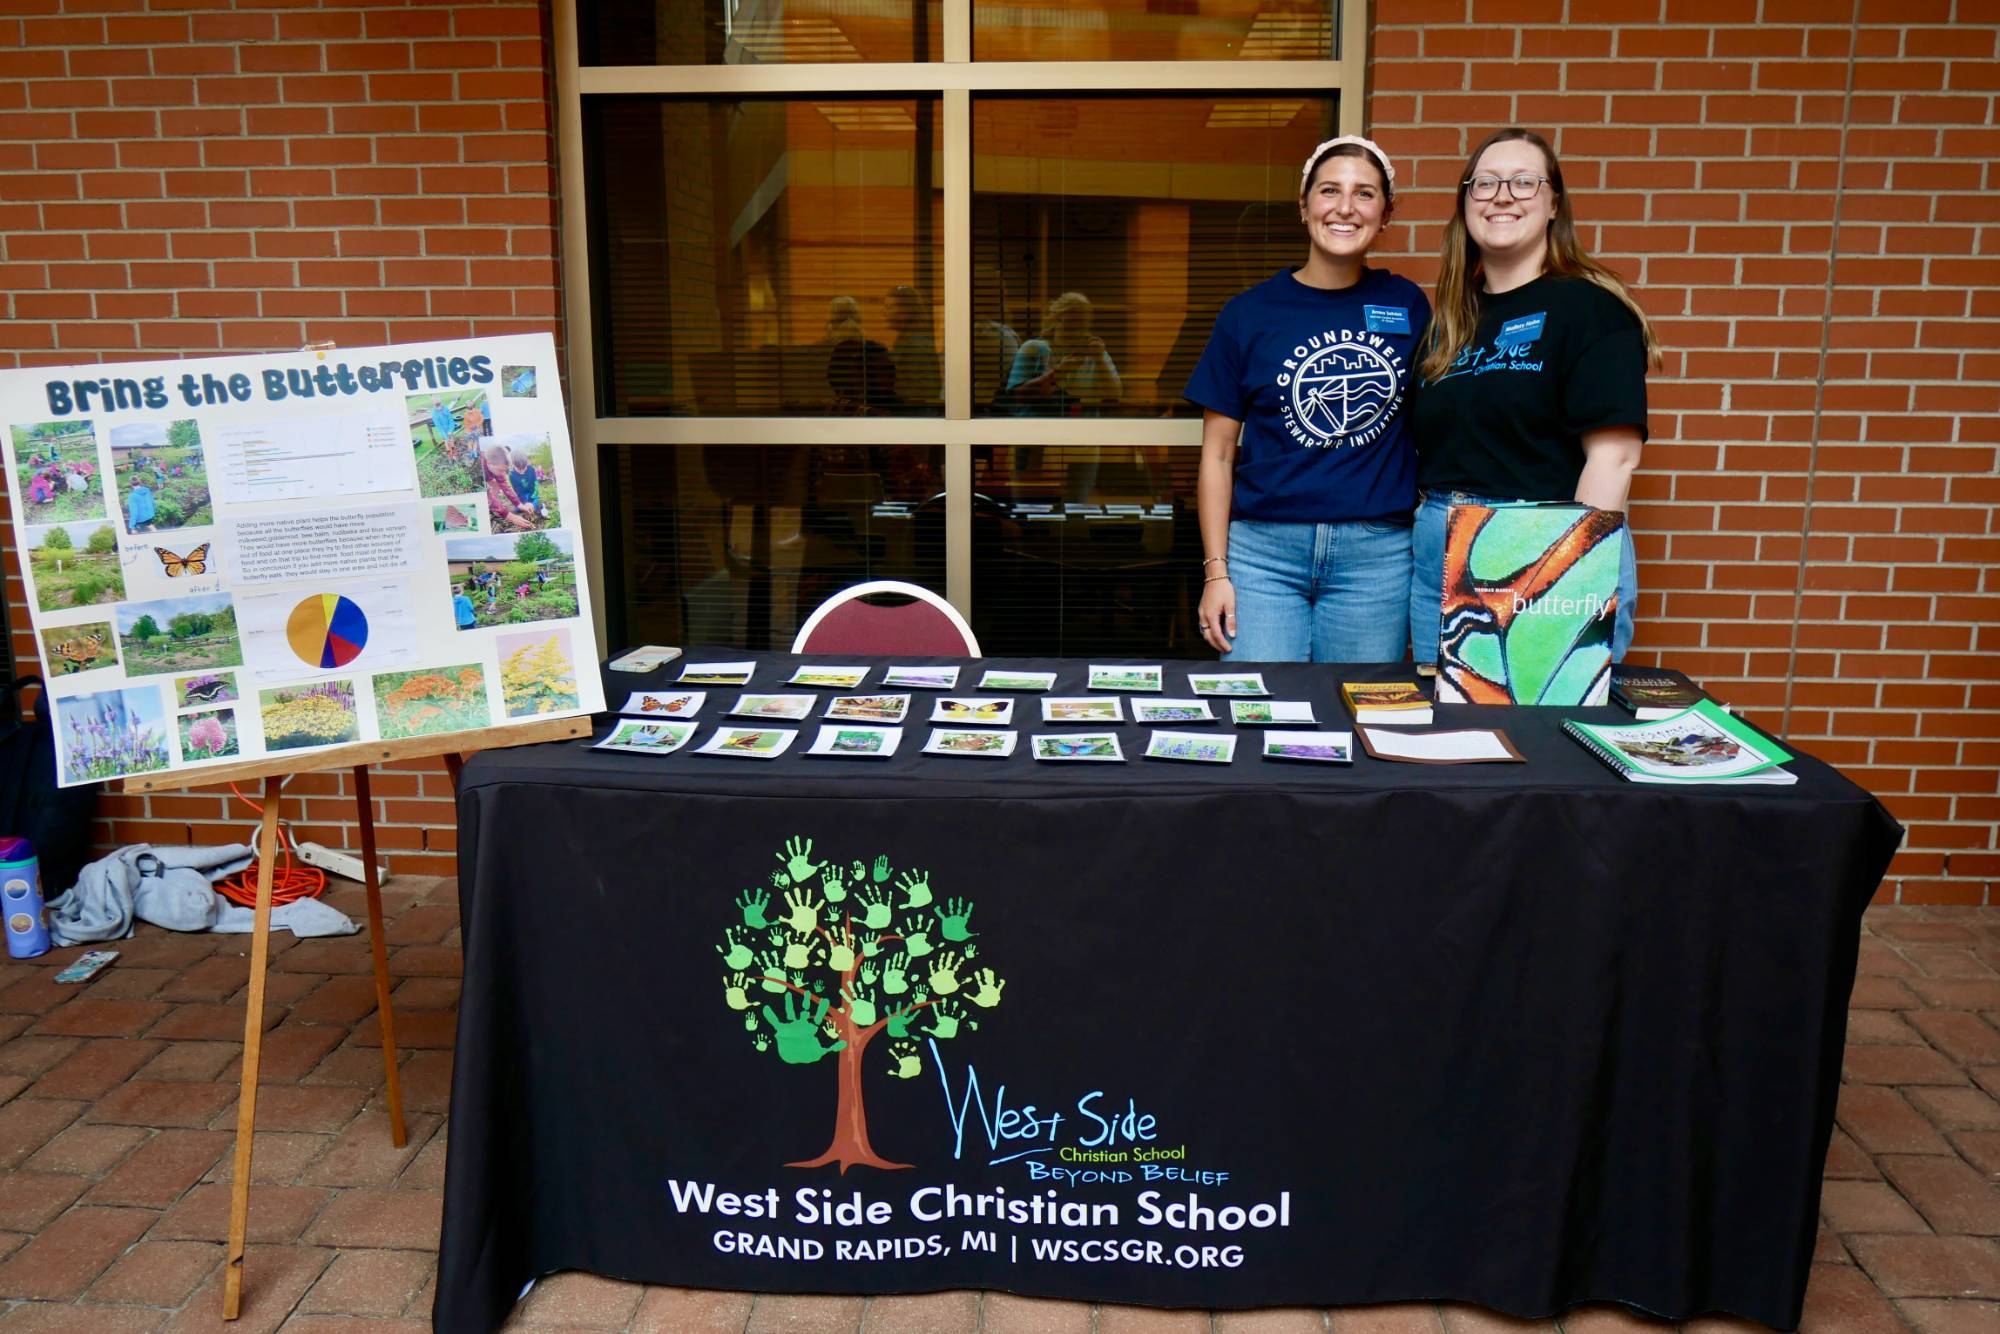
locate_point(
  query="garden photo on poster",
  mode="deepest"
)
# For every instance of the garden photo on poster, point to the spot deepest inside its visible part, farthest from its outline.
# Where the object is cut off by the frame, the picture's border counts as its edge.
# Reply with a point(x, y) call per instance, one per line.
point(316, 715)
point(537, 673)
point(431, 700)
point(111, 734)
point(447, 431)
point(178, 634)
point(55, 467)
point(512, 580)
point(161, 481)
point(75, 565)
point(209, 736)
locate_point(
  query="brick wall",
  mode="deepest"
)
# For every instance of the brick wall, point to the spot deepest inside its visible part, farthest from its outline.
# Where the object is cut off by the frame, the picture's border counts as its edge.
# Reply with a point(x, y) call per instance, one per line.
point(1804, 194)
point(203, 178)
point(1805, 199)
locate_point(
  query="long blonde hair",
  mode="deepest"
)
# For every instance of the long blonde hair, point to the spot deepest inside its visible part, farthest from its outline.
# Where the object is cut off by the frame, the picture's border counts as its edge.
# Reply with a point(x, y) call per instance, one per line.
point(1455, 310)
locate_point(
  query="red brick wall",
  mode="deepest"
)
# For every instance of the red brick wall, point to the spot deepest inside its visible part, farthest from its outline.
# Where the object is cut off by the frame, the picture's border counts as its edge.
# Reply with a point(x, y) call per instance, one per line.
point(200, 177)
point(1804, 195)
point(1804, 200)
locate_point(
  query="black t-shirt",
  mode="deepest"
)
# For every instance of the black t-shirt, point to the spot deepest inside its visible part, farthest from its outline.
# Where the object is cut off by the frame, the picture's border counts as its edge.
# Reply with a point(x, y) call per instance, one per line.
point(1548, 361)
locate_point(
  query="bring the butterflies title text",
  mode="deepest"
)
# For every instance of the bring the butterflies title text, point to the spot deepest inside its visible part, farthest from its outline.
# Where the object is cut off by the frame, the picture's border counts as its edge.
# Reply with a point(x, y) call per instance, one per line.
point(111, 394)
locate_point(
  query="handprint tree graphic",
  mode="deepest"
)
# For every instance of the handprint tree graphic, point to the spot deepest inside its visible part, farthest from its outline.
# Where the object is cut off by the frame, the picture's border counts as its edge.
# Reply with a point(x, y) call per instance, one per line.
point(828, 957)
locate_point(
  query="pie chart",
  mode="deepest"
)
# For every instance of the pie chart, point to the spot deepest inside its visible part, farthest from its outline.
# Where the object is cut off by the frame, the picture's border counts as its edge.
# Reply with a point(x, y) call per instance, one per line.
point(327, 630)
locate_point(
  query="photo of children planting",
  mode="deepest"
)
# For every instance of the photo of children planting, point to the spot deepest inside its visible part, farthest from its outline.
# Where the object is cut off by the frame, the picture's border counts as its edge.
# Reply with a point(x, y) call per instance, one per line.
point(511, 580)
point(537, 673)
point(447, 432)
point(520, 483)
point(161, 481)
point(55, 466)
point(208, 736)
point(178, 634)
point(79, 648)
point(75, 565)
point(435, 699)
point(316, 715)
point(111, 733)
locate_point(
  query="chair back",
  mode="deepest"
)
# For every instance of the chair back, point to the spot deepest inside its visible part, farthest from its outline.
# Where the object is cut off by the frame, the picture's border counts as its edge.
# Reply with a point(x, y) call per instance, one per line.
point(907, 618)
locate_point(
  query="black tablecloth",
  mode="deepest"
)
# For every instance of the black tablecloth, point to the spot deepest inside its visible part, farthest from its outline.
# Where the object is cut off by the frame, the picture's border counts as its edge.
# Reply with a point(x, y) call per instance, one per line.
point(1522, 1035)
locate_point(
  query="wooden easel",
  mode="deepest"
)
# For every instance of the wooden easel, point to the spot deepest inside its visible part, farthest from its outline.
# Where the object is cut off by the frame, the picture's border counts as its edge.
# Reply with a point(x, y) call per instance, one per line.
point(275, 770)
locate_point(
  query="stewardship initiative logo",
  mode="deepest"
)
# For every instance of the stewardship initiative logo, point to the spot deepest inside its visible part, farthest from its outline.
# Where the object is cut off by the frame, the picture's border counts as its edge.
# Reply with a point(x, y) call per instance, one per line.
point(1343, 387)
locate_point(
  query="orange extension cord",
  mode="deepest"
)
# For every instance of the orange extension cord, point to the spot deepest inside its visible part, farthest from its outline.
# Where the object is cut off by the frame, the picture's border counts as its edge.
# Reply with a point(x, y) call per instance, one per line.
point(289, 880)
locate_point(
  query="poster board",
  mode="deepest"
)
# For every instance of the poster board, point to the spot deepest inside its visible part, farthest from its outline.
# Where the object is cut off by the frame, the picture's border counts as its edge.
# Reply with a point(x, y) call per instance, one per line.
point(233, 560)
point(1529, 603)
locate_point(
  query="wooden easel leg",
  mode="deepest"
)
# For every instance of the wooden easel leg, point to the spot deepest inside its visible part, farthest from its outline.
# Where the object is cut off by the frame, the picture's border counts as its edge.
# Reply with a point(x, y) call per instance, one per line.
point(253, 1050)
point(378, 945)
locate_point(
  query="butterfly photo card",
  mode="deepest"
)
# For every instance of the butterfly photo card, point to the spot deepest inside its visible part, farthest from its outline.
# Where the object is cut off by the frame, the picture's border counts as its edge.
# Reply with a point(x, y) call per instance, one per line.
point(161, 565)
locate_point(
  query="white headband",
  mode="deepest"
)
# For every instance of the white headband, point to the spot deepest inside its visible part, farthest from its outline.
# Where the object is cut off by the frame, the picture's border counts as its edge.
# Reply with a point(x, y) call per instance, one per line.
point(1369, 146)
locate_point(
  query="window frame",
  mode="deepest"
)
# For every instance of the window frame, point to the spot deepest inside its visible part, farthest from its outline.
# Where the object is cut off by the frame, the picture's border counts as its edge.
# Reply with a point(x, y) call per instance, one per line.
point(954, 79)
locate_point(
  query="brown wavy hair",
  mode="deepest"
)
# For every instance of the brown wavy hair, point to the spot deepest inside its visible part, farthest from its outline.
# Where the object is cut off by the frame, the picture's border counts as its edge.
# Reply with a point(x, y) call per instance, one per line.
point(1455, 308)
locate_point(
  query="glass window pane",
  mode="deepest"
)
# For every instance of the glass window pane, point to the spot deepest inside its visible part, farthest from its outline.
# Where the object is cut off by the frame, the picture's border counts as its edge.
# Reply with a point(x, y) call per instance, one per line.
point(756, 32)
point(1083, 551)
point(1108, 231)
point(1152, 30)
point(765, 257)
point(736, 544)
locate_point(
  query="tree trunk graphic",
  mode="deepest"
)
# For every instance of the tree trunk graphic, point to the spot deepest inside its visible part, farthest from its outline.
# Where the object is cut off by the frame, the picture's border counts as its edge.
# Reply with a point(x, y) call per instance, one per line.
point(850, 1146)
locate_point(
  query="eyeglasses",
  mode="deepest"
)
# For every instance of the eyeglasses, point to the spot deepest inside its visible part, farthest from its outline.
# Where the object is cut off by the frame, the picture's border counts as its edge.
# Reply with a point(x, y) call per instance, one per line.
point(1525, 185)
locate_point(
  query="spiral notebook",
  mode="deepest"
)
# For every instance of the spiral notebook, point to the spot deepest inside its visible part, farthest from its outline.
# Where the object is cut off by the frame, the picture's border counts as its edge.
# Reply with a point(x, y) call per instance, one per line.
point(1698, 745)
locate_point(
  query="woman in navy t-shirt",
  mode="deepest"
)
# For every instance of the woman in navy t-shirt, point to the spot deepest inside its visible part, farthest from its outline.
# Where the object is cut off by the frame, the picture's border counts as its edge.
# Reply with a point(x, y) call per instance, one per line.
point(1307, 473)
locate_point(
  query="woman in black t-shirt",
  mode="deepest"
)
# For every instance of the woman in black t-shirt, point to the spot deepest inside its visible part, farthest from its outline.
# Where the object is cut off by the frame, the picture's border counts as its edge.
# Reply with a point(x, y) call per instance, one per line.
point(1531, 380)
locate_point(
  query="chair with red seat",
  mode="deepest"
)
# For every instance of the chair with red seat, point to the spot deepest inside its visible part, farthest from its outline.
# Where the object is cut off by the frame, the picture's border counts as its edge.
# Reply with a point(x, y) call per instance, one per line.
point(887, 616)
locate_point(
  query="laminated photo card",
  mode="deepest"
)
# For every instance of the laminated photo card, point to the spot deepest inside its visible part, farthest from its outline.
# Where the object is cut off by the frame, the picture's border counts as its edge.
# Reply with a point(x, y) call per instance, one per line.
point(1227, 683)
point(1099, 746)
point(1199, 747)
point(716, 673)
point(1181, 711)
point(644, 659)
point(921, 678)
point(781, 708)
point(1125, 678)
point(748, 743)
point(969, 710)
point(662, 738)
point(1310, 747)
point(1000, 679)
point(832, 678)
point(1081, 709)
point(1270, 712)
point(869, 708)
point(664, 703)
point(856, 741)
point(978, 742)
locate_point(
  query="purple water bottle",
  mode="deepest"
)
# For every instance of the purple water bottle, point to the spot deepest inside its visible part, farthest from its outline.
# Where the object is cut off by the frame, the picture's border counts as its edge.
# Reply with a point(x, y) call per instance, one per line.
point(21, 899)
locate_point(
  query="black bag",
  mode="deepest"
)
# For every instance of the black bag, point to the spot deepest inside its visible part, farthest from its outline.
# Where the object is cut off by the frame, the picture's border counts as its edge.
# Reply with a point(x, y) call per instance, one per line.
point(56, 820)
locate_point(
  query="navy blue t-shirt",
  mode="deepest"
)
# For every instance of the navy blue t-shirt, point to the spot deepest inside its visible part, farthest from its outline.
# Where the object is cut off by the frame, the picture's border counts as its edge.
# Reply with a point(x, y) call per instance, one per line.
point(1318, 380)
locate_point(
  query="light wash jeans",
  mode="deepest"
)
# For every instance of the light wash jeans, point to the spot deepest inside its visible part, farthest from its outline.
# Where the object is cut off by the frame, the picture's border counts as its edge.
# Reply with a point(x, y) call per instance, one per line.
point(1427, 574)
point(1319, 592)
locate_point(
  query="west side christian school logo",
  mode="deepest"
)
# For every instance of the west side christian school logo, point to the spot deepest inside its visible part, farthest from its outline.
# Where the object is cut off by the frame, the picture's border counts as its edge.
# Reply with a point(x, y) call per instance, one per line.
point(1342, 388)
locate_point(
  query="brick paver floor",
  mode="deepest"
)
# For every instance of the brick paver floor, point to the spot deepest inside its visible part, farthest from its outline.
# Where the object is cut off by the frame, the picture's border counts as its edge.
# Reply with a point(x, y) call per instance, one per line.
point(117, 1102)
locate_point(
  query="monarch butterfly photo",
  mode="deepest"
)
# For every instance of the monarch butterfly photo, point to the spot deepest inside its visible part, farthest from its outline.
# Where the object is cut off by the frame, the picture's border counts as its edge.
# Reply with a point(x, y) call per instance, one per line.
point(176, 567)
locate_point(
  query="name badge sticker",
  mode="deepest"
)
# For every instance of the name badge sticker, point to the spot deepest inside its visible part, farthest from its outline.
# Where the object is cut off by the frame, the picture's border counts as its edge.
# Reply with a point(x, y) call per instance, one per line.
point(1388, 319)
point(1523, 331)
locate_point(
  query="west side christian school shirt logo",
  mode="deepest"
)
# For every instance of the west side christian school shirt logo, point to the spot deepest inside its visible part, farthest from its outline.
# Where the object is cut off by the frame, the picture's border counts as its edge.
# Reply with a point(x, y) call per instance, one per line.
point(1341, 389)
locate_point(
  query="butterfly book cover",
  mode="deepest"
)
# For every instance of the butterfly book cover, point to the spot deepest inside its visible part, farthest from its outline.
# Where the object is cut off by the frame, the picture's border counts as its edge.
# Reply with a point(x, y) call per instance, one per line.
point(228, 557)
point(1529, 602)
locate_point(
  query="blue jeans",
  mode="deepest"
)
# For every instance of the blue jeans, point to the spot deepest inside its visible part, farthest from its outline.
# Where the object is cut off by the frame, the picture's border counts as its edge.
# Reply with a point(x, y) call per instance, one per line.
point(1427, 575)
point(1319, 592)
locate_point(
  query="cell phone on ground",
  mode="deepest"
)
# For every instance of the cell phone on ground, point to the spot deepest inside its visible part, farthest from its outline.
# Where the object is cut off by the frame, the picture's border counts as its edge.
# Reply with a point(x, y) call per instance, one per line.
point(86, 965)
